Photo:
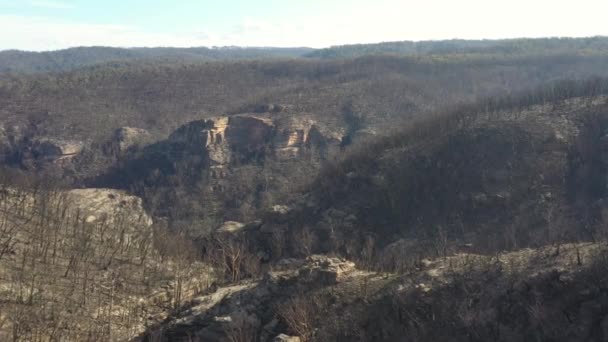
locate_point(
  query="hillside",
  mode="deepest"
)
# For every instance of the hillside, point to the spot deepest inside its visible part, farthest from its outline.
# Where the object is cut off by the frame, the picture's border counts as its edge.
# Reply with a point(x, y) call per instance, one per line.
point(86, 264)
point(14, 61)
point(522, 295)
point(503, 174)
point(89, 104)
point(471, 48)
point(466, 225)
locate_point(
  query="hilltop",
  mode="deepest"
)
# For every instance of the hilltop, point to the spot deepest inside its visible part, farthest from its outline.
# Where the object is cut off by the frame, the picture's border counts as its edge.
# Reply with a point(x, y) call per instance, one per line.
point(15, 61)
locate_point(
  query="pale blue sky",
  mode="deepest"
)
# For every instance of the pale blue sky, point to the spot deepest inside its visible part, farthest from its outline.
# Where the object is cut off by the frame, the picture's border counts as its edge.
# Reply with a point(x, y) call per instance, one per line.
point(54, 24)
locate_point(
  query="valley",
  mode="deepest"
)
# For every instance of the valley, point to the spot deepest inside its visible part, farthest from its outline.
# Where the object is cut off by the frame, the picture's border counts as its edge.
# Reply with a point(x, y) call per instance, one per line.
point(446, 191)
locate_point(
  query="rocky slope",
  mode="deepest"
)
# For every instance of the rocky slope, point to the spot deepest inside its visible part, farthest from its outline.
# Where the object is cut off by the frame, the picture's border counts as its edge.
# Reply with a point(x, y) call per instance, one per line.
point(544, 293)
point(87, 264)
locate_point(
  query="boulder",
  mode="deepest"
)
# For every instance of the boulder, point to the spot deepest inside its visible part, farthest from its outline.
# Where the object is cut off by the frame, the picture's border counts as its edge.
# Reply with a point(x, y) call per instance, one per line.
point(127, 137)
point(280, 209)
point(286, 338)
point(231, 227)
point(325, 270)
point(222, 319)
point(108, 204)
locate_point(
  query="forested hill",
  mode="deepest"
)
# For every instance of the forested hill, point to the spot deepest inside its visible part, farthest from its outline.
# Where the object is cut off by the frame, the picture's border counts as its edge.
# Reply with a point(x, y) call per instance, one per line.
point(64, 60)
point(13, 61)
point(91, 102)
point(472, 48)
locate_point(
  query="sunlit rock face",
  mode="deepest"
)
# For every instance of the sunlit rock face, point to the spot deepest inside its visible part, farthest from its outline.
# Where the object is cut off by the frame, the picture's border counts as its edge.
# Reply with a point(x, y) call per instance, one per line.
point(245, 138)
point(108, 205)
point(296, 135)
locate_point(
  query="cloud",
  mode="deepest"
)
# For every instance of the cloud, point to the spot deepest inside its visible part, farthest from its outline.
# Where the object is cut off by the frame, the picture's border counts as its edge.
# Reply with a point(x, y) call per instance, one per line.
point(51, 4)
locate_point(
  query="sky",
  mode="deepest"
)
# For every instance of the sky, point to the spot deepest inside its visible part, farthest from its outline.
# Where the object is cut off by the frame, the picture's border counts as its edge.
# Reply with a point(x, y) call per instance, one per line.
point(38, 25)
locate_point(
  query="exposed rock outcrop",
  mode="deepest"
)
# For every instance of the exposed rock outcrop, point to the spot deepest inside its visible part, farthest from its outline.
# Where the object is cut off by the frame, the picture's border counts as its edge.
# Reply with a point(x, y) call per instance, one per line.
point(230, 227)
point(55, 150)
point(506, 288)
point(238, 164)
point(245, 137)
point(286, 338)
point(108, 204)
point(249, 306)
point(324, 270)
point(127, 137)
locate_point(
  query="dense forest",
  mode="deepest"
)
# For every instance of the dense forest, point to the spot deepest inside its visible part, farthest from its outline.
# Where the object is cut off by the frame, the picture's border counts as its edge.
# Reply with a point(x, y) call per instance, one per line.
point(91, 102)
point(14, 61)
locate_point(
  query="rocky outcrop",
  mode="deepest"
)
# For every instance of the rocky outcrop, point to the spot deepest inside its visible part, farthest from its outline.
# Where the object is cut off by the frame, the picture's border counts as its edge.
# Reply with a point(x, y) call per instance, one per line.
point(247, 137)
point(251, 306)
point(286, 338)
point(56, 150)
point(236, 163)
point(230, 227)
point(296, 134)
point(324, 270)
point(108, 205)
point(105, 232)
point(125, 138)
point(22, 148)
point(519, 289)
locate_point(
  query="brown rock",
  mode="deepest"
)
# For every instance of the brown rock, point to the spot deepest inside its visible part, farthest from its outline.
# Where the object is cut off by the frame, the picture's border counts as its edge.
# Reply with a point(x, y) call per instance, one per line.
point(326, 270)
point(286, 338)
point(126, 137)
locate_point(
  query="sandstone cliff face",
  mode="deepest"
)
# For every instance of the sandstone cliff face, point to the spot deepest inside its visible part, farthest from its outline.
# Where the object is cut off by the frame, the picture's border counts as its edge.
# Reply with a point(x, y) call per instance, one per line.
point(245, 137)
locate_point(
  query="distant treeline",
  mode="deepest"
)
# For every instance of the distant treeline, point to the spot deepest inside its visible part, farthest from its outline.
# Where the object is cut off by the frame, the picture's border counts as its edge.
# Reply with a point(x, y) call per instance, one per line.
point(522, 46)
point(14, 61)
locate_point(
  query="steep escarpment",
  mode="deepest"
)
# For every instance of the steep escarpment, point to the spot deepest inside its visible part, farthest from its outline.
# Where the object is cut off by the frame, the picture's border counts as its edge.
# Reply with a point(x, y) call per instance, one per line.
point(226, 168)
point(246, 137)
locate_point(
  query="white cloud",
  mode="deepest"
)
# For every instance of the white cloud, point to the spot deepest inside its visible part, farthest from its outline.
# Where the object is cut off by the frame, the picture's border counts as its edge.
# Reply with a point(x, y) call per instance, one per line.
point(51, 4)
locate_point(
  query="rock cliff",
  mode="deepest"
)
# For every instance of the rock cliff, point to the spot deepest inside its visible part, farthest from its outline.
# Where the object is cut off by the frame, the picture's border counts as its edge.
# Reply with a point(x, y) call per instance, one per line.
point(246, 137)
